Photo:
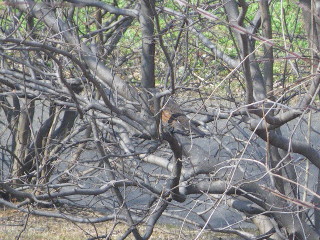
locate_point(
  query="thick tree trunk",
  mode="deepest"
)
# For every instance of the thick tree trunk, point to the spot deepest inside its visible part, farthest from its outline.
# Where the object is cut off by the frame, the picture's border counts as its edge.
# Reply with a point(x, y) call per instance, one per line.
point(22, 138)
point(147, 13)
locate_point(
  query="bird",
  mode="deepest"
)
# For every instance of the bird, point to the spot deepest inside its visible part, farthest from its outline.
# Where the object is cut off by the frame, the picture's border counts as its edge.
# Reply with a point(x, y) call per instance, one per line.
point(177, 120)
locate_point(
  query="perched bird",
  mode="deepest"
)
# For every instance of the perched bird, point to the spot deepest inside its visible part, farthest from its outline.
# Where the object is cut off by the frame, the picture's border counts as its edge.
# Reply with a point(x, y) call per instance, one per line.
point(174, 117)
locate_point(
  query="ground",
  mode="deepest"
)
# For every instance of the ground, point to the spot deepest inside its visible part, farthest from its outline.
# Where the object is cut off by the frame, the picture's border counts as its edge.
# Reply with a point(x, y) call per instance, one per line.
point(17, 225)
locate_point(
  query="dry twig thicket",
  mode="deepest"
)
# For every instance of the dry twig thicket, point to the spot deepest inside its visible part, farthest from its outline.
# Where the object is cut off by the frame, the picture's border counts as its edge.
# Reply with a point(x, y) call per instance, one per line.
point(137, 111)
